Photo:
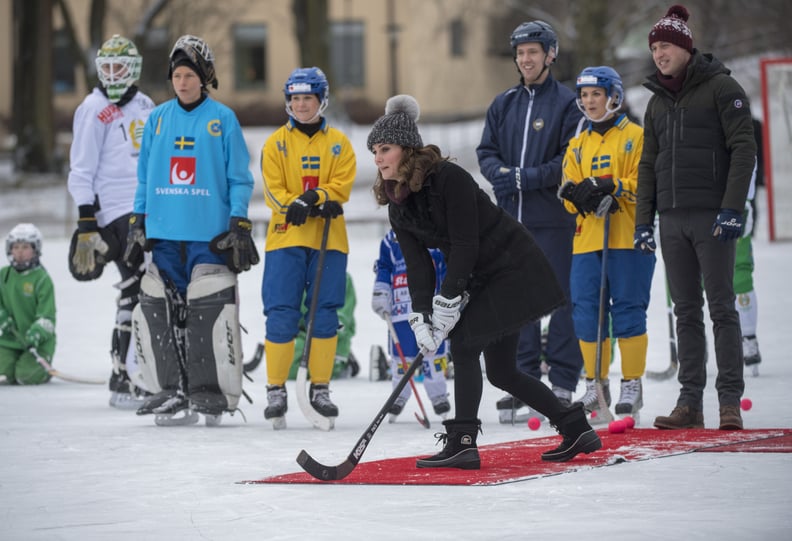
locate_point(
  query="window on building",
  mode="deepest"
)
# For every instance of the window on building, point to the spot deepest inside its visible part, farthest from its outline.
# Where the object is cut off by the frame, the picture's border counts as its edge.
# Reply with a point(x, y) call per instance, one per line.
point(346, 53)
point(457, 35)
point(155, 49)
point(63, 79)
point(250, 56)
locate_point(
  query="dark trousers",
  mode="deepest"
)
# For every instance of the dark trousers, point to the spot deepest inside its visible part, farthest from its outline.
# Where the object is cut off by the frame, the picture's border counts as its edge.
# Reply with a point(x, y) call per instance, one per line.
point(502, 372)
point(563, 351)
point(692, 255)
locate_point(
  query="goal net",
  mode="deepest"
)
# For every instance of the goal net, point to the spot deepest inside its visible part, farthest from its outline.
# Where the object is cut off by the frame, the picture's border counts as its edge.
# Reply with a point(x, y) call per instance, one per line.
point(776, 78)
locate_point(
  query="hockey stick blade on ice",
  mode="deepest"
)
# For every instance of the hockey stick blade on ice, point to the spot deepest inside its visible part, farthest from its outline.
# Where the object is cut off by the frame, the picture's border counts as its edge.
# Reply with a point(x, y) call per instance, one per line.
point(60, 375)
point(395, 337)
point(336, 473)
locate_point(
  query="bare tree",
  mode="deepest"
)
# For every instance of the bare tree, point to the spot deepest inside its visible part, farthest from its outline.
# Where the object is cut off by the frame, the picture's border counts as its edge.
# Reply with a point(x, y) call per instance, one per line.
point(32, 97)
point(312, 30)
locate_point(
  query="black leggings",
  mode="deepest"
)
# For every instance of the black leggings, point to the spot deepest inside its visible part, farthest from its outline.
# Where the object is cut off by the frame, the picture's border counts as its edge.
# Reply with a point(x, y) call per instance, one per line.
point(500, 359)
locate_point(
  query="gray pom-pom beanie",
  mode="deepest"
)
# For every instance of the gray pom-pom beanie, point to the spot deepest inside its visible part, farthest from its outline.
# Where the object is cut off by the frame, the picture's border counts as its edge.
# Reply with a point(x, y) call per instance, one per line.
point(397, 126)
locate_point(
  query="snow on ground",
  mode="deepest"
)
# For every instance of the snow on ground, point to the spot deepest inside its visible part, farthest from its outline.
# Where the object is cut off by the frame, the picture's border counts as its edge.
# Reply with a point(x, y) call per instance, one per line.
point(73, 468)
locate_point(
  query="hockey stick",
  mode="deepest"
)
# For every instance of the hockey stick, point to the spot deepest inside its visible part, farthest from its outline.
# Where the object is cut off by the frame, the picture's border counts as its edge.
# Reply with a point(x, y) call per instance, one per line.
point(335, 473)
point(52, 371)
point(253, 363)
point(395, 337)
point(317, 420)
point(604, 208)
point(673, 365)
point(60, 375)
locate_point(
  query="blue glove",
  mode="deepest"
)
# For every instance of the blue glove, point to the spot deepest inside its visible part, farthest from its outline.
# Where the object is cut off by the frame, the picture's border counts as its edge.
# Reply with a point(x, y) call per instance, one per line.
point(728, 225)
point(506, 183)
point(644, 239)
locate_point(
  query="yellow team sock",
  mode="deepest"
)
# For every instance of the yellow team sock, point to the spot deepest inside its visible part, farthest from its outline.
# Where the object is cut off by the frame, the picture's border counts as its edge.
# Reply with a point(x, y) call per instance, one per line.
point(279, 359)
point(589, 352)
point(321, 359)
point(633, 355)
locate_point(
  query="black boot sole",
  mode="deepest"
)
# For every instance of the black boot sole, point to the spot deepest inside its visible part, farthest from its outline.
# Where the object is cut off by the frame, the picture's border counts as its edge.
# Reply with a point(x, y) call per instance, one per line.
point(467, 459)
point(588, 442)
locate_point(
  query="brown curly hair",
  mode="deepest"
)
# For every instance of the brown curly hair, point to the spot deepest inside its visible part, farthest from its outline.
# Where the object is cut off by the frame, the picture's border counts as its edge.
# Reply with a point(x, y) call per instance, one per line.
point(415, 164)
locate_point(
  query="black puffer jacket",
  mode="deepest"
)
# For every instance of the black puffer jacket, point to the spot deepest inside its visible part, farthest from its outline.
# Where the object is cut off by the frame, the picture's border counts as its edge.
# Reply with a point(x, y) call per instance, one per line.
point(488, 254)
point(699, 147)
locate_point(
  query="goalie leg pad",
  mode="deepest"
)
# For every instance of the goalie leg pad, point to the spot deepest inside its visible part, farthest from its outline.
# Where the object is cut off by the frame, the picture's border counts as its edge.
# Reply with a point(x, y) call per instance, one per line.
point(152, 332)
point(214, 341)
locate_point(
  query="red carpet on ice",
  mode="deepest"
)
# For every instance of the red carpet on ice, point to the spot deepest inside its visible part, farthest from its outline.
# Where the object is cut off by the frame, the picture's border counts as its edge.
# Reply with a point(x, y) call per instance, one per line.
point(520, 460)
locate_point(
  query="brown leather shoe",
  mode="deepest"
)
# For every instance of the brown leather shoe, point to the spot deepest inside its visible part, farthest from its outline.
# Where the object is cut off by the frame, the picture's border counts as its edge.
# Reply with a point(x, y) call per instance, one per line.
point(681, 417)
point(730, 418)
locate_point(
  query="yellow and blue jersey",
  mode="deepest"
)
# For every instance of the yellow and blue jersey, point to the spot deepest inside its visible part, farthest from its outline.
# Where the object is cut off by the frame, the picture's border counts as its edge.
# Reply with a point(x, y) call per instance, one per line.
point(617, 154)
point(291, 163)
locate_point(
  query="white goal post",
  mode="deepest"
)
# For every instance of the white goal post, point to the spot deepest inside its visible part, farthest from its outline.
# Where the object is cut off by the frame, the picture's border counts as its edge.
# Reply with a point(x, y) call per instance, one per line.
point(776, 80)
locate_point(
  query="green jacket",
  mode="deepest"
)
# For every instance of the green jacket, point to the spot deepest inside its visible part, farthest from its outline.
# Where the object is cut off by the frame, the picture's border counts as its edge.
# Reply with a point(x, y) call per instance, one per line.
point(29, 298)
point(699, 148)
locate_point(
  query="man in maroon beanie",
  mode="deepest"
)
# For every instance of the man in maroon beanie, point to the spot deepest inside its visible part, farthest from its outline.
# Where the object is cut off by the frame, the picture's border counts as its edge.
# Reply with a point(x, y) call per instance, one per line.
point(698, 158)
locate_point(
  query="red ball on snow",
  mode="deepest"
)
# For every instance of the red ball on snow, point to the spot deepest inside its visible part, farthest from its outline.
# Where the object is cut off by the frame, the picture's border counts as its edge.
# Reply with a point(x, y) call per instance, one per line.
point(746, 404)
point(629, 422)
point(617, 427)
point(534, 423)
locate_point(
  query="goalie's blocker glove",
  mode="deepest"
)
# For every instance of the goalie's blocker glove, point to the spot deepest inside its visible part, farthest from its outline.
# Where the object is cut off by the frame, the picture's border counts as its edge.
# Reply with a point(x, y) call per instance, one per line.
point(237, 245)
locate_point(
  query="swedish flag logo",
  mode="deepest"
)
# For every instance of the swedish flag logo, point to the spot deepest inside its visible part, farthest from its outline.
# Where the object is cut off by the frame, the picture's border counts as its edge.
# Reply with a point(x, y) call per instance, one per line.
point(184, 143)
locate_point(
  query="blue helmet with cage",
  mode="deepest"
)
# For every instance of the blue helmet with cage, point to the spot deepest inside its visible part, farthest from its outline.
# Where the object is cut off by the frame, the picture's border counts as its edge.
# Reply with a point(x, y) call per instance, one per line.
point(535, 32)
point(307, 81)
point(606, 78)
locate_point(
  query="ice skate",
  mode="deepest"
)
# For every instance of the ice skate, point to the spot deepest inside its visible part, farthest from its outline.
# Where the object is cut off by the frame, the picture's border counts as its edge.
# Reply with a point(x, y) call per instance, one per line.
point(277, 405)
point(181, 418)
point(597, 415)
point(751, 355)
point(123, 395)
point(320, 401)
point(379, 368)
point(441, 406)
point(512, 411)
point(213, 420)
point(563, 395)
point(155, 401)
point(208, 403)
point(630, 399)
point(396, 409)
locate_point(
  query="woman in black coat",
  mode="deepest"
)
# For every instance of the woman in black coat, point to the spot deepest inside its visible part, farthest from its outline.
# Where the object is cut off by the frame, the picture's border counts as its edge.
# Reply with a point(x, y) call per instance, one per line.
point(497, 280)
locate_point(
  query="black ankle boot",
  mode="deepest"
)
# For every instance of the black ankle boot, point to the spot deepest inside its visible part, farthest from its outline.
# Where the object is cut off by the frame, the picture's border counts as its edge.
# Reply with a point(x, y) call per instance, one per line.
point(460, 449)
point(578, 435)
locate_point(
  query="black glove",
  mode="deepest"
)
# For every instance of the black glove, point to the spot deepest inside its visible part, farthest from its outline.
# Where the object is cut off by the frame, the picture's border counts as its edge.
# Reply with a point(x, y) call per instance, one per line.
point(237, 245)
point(300, 208)
point(136, 241)
point(331, 209)
point(593, 186)
point(569, 191)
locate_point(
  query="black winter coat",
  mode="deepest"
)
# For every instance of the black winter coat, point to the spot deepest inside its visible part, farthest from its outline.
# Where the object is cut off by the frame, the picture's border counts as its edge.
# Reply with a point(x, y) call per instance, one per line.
point(699, 148)
point(488, 254)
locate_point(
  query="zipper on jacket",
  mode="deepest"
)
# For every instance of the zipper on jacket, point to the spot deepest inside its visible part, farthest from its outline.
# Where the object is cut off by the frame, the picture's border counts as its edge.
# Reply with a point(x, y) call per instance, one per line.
point(531, 94)
point(672, 117)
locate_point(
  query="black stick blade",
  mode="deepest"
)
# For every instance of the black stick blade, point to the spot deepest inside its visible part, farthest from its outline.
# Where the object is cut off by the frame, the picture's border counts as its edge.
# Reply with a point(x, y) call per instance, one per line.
point(322, 472)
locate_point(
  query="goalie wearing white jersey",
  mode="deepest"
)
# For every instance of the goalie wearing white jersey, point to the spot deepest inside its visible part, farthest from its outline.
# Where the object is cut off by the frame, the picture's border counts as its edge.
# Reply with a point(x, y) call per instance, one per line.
point(108, 128)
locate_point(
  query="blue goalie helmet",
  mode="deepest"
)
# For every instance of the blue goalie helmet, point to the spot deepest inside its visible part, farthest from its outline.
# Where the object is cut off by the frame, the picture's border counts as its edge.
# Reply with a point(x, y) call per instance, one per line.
point(307, 81)
point(603, 77)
